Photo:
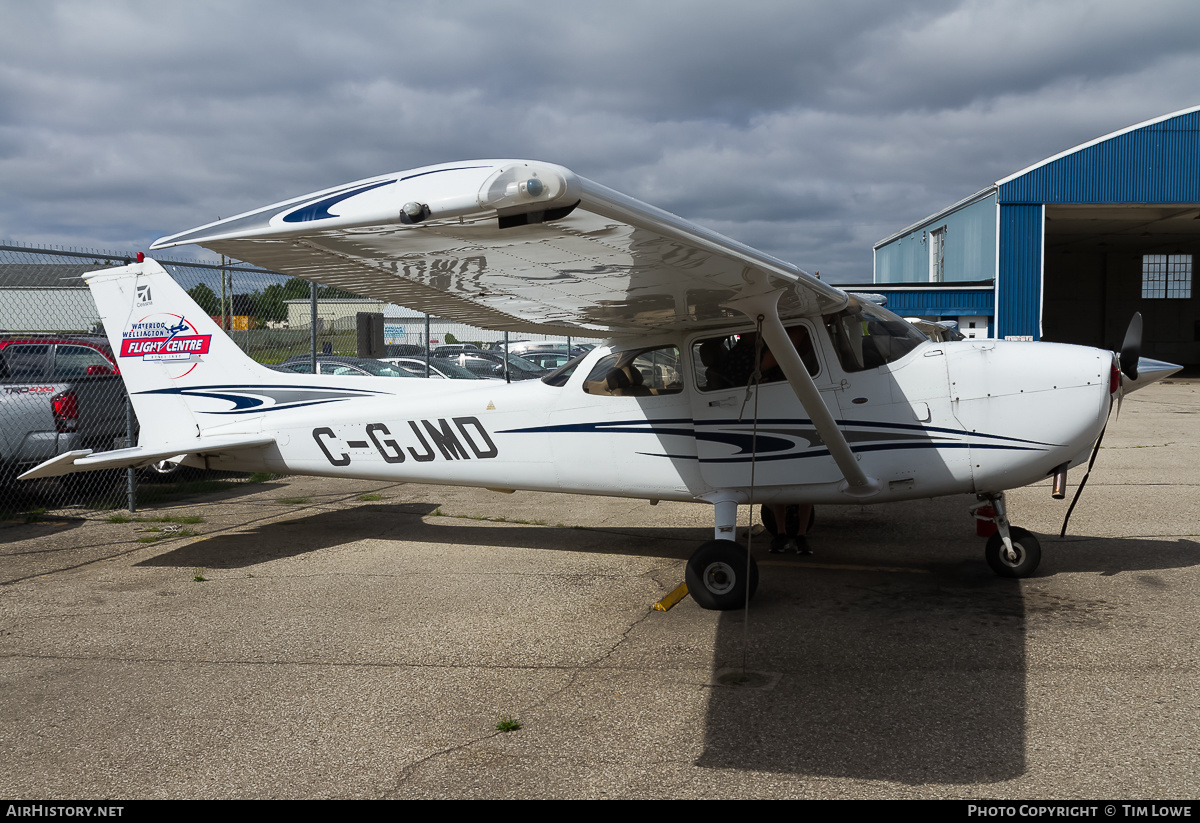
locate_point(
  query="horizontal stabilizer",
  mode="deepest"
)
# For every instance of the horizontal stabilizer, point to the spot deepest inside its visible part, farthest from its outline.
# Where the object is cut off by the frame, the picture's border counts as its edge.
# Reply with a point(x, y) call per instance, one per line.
point(87, 460)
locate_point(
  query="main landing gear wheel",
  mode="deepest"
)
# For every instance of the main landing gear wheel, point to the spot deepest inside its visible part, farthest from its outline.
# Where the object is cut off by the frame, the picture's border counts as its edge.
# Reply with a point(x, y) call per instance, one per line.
point(1027, 547)
point(716, 575)
point(768, 519)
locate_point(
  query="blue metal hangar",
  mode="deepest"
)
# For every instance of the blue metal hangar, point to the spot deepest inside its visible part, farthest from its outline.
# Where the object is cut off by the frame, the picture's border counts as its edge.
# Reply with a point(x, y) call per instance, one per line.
point(1067, 249)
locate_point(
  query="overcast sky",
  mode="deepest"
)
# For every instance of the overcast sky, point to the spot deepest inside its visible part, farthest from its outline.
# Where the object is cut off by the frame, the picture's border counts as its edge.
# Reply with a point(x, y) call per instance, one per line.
point(809, 130)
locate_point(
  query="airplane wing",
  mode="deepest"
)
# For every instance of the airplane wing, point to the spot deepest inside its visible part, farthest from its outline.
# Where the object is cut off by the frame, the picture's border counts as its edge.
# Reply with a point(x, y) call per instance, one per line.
point(511, 245)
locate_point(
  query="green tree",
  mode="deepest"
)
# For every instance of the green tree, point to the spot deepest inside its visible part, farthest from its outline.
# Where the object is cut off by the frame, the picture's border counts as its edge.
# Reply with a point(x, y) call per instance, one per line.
point(269, 304)
point(206, 299)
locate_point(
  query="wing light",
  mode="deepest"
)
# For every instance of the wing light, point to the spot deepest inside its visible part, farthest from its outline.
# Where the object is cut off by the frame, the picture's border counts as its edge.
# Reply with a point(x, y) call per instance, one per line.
point(414, 211)
point(521, 185)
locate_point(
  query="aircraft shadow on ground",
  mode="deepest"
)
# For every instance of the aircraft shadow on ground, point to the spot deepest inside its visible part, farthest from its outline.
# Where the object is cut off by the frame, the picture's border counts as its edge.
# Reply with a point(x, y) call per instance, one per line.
point(411, 522)
point(897, 675)
point(1114, 555)
point(909, 677)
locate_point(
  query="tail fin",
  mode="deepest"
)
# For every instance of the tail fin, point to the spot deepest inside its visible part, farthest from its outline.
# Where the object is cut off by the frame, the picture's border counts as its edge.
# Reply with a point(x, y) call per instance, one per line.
point(165, 343)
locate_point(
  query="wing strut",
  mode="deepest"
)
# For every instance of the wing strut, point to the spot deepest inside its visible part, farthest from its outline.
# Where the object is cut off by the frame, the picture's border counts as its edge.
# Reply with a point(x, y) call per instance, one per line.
point(765, 306)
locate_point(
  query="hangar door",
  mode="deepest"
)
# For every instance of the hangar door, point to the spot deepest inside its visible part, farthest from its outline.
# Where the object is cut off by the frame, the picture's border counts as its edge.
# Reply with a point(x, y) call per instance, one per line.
point(1101, 263)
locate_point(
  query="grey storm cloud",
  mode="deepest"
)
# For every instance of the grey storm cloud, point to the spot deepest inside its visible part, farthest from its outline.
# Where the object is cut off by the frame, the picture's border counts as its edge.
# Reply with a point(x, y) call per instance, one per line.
point(809, 130)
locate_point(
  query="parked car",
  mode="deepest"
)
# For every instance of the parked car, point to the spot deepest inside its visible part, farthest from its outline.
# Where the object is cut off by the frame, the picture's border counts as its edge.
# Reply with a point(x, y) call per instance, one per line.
point(342, 365)
point(57, 393)
point(548, 359)
point(438, 367)
point(491, 365)
point(526, 348)
point(454, 349)
point(403, 350)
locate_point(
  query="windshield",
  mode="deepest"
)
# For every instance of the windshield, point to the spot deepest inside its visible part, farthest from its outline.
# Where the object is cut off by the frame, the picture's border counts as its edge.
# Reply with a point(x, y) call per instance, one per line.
point(866, 336)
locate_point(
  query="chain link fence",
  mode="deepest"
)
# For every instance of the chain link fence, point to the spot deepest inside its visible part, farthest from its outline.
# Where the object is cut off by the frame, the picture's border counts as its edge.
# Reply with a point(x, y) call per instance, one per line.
point(59, 389)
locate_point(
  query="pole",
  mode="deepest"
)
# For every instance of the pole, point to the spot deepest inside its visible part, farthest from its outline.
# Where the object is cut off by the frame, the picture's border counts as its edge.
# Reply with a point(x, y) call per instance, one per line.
point(312, 324)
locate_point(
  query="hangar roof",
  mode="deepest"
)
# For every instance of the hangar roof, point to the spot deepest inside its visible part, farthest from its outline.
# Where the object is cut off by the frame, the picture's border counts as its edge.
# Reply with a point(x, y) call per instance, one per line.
point(1153, 162)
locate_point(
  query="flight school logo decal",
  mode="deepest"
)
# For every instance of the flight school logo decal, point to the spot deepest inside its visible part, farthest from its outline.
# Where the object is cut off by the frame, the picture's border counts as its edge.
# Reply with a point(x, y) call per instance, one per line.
point(166, 338)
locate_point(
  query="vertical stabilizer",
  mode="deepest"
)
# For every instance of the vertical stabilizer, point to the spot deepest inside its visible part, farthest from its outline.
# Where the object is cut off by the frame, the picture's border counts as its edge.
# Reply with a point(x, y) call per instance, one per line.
point(165, 343)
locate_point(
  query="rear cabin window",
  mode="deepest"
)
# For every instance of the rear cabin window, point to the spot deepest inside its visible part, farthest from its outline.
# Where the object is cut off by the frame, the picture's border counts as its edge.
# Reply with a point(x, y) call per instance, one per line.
point(562, 374)
point(728, 362)
point(637, 373)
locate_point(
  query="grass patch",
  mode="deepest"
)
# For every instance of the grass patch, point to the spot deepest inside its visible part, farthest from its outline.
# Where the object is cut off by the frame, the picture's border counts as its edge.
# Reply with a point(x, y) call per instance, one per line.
point(370, 498)
point(152, 493)
point(293, 501)
point(34, 515)
point(500, 519)
point(161, 533)
point(508, 723)
point(165, 518)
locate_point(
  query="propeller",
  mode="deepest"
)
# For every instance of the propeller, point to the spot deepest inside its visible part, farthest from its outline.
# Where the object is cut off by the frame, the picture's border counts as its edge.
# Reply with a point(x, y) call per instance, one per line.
point(1131, 347)
point(1127, 360)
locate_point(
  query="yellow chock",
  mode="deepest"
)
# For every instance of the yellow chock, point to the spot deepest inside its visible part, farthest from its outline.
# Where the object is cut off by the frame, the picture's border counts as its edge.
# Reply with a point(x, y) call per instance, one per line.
point(671, 599)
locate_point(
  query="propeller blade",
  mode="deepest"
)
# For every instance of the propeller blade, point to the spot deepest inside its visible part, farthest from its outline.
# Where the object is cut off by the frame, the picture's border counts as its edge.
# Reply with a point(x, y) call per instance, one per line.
point(1131, 348)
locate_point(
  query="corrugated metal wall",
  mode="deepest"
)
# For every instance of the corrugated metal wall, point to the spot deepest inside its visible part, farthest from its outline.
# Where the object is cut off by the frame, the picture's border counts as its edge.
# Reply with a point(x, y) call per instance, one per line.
point(1019, 275)
point(941, 302)
point(1158, 163)
point(970, 248)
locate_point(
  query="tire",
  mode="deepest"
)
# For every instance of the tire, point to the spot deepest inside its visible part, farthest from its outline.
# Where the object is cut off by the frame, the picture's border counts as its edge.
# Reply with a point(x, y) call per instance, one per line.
point(768, 520)
point(1029, 553)
point(716, 575)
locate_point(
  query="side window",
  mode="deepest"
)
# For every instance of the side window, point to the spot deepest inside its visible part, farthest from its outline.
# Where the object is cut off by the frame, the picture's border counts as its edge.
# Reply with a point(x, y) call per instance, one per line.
point(637, 373)
point(24, 362)
point(728, 362)
point(75, 361)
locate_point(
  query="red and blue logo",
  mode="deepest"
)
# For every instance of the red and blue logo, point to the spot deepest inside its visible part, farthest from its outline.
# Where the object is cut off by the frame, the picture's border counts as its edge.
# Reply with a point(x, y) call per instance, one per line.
point(167, 338)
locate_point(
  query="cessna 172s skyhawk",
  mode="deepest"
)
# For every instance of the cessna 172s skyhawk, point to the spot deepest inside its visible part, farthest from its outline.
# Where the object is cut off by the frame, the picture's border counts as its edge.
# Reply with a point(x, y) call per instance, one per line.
point(856, 405)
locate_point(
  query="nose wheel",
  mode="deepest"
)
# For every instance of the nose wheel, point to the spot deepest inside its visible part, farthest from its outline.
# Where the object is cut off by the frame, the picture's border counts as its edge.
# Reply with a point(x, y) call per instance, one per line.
point(1011, 551)
point(1021, 561)
point(718, 576)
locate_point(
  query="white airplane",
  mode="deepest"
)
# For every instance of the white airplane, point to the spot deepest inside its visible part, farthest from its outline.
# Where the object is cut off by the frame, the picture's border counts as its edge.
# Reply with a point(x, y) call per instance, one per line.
point(851, 404)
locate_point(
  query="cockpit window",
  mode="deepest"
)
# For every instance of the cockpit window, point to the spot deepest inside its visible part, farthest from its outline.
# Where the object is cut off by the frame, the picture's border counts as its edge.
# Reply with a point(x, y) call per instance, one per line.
point(728, 362)
point(866, 336)
point(637, 373)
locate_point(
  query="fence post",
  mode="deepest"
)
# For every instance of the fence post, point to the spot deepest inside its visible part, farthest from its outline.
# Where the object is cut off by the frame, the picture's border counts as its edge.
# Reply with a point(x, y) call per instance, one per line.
point(312, 324)
point(130, 473)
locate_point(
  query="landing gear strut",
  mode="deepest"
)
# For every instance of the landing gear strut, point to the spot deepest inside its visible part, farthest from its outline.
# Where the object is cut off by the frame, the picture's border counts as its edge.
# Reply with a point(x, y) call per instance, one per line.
point(1011, 551)
point(720, 572)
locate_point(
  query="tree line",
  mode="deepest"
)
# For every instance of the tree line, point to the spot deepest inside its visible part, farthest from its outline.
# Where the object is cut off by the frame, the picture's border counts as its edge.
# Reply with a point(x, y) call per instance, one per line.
point(265, 304)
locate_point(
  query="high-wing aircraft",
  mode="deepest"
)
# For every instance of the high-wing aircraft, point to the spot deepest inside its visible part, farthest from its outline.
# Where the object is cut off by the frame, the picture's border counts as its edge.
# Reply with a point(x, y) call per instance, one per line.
point(728, 377)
